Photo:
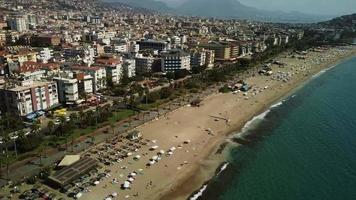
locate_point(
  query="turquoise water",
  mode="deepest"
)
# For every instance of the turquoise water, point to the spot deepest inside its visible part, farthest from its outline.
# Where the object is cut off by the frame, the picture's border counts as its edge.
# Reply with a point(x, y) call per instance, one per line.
point(304, 149)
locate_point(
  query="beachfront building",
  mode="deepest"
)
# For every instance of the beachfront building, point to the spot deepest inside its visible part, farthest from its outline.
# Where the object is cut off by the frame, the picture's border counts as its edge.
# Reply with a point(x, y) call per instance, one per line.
point(97, 73)
point(129, 68)
point(28, 97)
point(67, 90)
point(175, 60)
point(143, 64)
point(222, 51)
point(197, 58)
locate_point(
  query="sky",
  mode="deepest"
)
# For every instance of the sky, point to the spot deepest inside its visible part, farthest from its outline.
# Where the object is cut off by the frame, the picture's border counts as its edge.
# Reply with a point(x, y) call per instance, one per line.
point(318, 7)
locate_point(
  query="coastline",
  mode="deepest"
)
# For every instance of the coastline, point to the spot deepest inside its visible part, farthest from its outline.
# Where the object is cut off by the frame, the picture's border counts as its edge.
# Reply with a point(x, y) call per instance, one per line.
point(184, 185)
point(208, 129)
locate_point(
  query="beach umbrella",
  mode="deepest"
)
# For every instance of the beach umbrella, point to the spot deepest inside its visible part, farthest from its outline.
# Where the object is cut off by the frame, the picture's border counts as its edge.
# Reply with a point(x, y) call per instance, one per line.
point(137, 157)
point(133, 174)
point(172, 149)
point(152, 162)
point(78, 195)
point(154, 157)
point(131, 179)
point(153, 147)
point(170, 153)
point(161, 152)
point(140, 170)
point(107, 198)
point(114, 194)
point(96, 183)
point(129, 154)
point(187, 141)
point(126, 184)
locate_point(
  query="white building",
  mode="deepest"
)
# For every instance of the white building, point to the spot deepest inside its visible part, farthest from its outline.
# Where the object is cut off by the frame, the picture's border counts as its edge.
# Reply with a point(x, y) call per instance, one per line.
point(45, 55)
point(129, 67)
point(67, 90)
point(175, 60)
point(85, 84)
point(98, 74)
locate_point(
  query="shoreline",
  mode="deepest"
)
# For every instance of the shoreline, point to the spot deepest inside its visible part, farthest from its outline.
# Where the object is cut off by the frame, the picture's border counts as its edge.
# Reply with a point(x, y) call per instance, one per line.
point(179, 191)
point(178, 175)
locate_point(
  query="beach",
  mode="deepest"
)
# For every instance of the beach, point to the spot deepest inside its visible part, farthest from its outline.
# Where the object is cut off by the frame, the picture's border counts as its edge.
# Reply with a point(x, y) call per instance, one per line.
point(194, 135)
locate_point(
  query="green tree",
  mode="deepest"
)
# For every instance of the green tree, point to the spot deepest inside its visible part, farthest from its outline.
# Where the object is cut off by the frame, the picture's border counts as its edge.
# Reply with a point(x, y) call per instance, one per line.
point(166, 92)
point(51, 127)
point(153, 97)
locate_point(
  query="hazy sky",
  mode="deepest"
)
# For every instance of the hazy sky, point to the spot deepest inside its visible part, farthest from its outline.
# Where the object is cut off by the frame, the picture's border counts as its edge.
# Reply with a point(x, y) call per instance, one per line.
point(325, 7)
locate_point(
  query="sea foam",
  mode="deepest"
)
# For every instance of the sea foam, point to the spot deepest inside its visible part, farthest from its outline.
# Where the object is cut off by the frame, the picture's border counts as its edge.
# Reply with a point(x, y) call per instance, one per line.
point(223, 167)
point(199, 193)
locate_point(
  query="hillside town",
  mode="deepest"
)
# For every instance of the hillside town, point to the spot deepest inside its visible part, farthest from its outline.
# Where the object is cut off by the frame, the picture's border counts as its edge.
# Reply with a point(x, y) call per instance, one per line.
point(55, 55)
point(76, 73)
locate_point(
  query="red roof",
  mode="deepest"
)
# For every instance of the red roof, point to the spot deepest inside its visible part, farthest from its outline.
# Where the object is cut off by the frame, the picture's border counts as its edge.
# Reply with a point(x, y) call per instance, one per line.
point(107, 61)
point(85, 68)
point(29, 66)
point(50, 66)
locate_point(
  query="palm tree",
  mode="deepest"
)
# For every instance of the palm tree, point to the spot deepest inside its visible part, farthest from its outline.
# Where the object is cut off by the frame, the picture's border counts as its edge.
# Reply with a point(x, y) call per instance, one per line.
point(39, 153)
point(147, 92)
point(6, 139)
point(132, 100)
point(112, 126)
point(35, 126)
point(51, 126)
point(92, 139)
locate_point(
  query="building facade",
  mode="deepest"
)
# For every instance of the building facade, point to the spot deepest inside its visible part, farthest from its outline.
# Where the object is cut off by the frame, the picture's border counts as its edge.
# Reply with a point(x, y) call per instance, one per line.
point(175, 60)
point(29, 97)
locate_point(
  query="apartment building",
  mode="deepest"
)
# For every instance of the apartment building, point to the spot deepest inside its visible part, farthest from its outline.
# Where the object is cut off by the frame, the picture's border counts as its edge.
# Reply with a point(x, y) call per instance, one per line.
point(175, 60)
point(144, 64)
point(29, 97)
point(68, 92)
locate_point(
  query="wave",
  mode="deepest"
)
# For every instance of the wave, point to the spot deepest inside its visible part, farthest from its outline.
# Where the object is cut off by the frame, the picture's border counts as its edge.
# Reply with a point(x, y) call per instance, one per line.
point(319, 73)
point(277, 104)
point(256, 118)
point(222, 168)
point(323, 71)
point(199, 193)
point(260, 116)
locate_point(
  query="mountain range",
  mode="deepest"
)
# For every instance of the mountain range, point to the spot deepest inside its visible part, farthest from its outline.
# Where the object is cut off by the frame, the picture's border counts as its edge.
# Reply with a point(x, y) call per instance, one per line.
point(223, 9)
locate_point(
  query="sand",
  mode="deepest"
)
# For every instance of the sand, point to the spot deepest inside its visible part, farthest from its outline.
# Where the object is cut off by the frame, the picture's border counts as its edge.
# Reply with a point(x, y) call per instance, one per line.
point(177, 176)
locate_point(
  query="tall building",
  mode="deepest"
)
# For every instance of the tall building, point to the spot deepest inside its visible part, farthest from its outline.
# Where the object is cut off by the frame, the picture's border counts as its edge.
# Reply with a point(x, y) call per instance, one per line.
point(197, 58)
point(67, 90)
point(98, 74)
point(29, 97)
point(18, 23)
point(175, 60)
point(222, 51)
point(144, 64)
point(129, 67)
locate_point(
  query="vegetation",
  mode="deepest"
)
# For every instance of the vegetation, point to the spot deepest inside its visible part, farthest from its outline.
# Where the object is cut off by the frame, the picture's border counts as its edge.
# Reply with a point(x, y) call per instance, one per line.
point(135, 97)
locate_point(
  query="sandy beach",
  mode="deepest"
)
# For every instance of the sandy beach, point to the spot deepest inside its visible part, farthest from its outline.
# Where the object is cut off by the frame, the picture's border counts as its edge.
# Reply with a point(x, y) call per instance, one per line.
point(194, 134)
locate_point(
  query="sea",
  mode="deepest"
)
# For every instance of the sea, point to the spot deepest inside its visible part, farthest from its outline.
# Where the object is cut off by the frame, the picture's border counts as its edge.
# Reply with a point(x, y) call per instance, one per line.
point(302, 148)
